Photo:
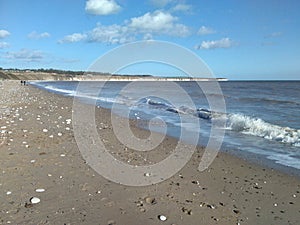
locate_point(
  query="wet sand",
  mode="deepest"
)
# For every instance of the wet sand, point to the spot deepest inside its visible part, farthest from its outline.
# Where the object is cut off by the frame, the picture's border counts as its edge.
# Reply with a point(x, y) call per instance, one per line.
point(38, 151)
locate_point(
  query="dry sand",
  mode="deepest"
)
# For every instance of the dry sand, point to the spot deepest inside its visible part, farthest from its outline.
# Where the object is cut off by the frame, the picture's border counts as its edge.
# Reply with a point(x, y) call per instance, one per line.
point(232, 191)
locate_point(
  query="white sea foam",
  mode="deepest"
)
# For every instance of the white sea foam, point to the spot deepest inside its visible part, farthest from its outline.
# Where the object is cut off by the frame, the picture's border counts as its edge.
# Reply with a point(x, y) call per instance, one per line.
point(261, 128)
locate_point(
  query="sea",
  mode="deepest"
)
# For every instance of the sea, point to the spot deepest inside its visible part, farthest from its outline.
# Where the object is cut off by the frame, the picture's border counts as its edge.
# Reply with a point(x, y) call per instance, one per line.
point(260, 120)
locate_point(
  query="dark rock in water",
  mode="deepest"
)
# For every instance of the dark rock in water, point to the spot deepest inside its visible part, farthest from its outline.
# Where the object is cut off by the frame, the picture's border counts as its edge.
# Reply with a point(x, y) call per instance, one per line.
point(174, 110)
point(204, 114)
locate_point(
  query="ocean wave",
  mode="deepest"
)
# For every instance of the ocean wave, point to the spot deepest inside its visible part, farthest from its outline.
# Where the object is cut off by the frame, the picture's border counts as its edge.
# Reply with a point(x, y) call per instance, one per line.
point(247, 125)
point(53, 88)
point(269, 100)
point(260, 128)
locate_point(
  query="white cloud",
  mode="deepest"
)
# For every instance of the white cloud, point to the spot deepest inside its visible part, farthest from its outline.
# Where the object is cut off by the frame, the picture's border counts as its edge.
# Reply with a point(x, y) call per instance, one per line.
point(4, 33)
point(205, 30)
point(161, 3)
point(143, 27)
point(113, 34)
point(76, 37)
point(102, 7)
point(4, 44)
point(158, 22)
point(222, 43)
point(181, 8)
point(35, 35)
point(27, 55)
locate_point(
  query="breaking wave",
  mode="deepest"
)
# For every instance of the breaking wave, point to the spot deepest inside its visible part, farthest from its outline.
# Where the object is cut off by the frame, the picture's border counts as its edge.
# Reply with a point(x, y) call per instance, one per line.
point(238, 123)
point(260, 128)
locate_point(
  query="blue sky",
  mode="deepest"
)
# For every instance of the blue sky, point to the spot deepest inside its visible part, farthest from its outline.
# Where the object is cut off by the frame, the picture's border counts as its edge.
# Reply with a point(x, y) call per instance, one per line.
point(257, 39)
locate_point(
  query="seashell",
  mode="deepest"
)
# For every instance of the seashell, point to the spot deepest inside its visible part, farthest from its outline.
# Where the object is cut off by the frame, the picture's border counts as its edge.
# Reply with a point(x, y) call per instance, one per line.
point(35, 200)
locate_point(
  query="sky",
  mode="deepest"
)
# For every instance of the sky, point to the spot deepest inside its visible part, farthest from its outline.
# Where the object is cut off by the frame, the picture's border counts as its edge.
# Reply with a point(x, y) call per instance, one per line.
point(237, 39)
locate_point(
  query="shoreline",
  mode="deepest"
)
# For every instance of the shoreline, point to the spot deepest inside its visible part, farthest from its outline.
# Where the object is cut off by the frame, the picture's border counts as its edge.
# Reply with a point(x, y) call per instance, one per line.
point(231, 191)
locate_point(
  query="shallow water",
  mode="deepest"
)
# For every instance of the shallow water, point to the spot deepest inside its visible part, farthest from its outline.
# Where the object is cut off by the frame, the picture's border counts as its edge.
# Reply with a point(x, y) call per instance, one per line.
point(261, 119)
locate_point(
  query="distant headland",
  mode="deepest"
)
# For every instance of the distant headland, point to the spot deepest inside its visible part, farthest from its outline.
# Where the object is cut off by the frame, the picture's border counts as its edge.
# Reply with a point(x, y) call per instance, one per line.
point(67, 75)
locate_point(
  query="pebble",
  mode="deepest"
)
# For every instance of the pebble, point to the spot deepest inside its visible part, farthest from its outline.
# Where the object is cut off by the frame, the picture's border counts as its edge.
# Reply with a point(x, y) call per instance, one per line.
point(39, 190)
point(35, 200)
point(150, 200)
point(111, 222)
point(8, 193)
point(147, 174)
point(59, 134)
point(45, 130)
point(162, 218)
point(32, 161)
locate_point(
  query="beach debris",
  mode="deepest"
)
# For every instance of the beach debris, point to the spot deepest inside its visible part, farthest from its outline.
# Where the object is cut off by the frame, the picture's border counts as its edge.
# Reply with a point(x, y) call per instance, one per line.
point(34, 200)
point(186, 211)
point(195, 182)
point(236, 211)
point(147, 174)
point(39, 190)
point(211, 206)
point(162, 218)
point(150, 200)
point(111, 222)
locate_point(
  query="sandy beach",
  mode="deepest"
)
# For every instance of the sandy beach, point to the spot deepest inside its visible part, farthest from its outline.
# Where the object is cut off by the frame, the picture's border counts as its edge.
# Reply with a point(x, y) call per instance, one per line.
point(40, 158)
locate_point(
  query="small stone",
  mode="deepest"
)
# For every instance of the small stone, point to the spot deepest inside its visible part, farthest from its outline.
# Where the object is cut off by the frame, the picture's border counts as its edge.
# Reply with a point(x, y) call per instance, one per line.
point(59, 134)
point(162, 218)
point(236, 211)
point(211, 206)
point(150, 200)
point(45, 130)
point(35, 200)
point(40, 190)
point(8, 193)
point(111, 222)
point(147, 174)
point(142, 210)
